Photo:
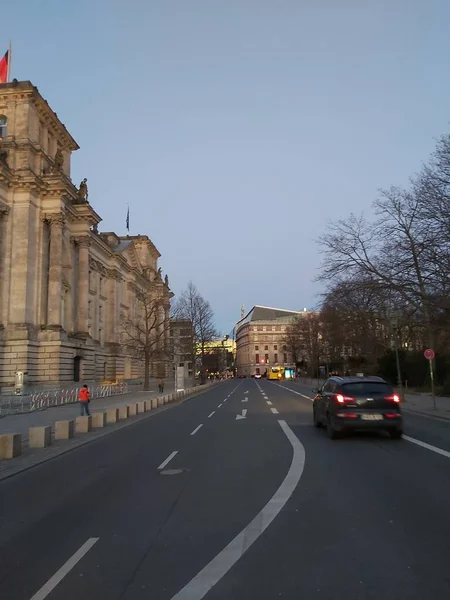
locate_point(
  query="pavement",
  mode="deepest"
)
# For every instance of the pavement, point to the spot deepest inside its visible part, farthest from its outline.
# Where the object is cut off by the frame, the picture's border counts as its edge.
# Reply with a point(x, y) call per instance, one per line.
point(20, 423)
point(234, 495)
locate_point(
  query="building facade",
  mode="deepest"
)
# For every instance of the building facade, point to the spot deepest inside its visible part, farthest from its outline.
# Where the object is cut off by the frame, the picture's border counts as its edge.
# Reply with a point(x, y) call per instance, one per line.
point(65, 287)
point(261, 340)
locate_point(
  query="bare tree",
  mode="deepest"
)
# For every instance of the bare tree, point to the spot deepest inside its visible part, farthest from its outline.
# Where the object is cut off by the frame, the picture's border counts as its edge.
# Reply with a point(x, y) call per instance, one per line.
point(191, 305)
point(143, 331)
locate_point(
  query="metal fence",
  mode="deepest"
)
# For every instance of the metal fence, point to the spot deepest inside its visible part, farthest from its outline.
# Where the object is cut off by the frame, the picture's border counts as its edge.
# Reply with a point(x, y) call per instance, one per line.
point(46, 399)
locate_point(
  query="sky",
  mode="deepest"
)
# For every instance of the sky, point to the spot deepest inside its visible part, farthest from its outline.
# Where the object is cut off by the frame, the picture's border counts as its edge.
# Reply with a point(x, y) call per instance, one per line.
point(237, 129)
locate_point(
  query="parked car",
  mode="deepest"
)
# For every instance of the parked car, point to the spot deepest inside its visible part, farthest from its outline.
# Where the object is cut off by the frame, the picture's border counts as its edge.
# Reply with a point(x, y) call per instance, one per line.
point(345, 404)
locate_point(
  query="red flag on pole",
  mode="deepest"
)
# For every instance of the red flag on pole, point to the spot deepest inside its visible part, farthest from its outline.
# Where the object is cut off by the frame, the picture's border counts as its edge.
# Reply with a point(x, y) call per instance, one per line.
point(4, 68)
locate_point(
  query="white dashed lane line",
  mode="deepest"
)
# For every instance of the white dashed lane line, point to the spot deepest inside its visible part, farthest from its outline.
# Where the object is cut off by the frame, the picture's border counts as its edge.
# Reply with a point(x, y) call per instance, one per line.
point(196, 429)
point(274, 410)
point(168, 459)
point(213, 412)
point(269, 402)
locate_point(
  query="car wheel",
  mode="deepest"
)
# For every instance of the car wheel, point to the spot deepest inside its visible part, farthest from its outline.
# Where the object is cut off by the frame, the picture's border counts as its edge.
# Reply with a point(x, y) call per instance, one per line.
point(317, 422)
point(332, 433)
point(396, 434)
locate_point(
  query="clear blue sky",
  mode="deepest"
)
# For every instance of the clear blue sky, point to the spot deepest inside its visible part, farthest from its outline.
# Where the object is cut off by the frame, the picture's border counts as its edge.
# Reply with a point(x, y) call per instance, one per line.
point(236, 128)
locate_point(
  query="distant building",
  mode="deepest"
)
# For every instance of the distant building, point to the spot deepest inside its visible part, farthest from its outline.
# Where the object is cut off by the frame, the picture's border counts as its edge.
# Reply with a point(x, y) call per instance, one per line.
point(260, 340)
point(220, 355)
point(183, 345)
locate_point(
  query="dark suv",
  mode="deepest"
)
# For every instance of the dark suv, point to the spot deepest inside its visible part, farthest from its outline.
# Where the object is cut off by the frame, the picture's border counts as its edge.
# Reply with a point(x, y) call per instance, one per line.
point(345, 404)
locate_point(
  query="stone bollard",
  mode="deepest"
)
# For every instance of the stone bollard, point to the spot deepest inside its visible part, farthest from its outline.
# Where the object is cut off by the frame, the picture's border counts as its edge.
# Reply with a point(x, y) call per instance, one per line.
point(148, 404)
point(112, 415)
point(160, 401)
point(39, 437)
point(64, 430)
point(98, 420)
point(141, 407)
point(166, 399)
point(10, 445)
point(123, 412)
point(83, 424)
point(132, 409)
point(154, 402)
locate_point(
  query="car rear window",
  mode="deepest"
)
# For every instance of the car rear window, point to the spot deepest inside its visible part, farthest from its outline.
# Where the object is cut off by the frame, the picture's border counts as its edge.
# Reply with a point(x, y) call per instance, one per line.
point(366, 388)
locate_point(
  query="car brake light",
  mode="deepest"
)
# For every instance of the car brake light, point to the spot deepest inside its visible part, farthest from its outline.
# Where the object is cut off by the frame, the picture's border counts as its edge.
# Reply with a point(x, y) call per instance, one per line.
point(391, 415)
point(393, 397)
point(341, 399)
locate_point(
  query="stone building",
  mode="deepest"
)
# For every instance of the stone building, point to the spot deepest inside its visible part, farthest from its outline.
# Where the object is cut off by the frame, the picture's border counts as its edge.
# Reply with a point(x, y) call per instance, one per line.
point(260, 340)
point(182, 339)
point(64, 286)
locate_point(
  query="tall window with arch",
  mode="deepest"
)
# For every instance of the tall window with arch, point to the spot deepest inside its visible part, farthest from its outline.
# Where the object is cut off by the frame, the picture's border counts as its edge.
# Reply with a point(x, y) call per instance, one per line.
point(3, 126)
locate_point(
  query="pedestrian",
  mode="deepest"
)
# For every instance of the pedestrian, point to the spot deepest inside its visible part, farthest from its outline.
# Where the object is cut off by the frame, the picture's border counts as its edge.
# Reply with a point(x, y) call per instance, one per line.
point(161, 386)
point(84, 398)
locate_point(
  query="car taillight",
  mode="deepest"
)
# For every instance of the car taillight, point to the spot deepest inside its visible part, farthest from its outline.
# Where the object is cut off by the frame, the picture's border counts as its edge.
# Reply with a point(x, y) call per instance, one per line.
point(393, 398)
point(392, 415)
point(342, 399)
point(347, 415)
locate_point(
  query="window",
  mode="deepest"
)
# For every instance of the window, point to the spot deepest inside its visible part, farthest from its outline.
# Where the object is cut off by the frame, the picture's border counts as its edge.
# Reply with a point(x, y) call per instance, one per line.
point(89, 309)
point(100, 336)
point(257, 358)
point(273, 327)
point(256, 347)
point(266, 358)
point(285, 358)
point(275, 356)
point(100, 312)
point(284, 348)
point(3, 126)
point(266, 347)
point(275, 347)
point(259, 328)
point(278, 328)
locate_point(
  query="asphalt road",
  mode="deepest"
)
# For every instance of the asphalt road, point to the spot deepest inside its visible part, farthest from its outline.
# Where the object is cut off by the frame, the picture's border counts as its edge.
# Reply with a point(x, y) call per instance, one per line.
point(259, 507)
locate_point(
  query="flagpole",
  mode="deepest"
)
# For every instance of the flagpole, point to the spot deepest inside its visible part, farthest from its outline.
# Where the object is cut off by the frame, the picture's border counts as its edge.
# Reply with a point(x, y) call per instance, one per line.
point(9, 62)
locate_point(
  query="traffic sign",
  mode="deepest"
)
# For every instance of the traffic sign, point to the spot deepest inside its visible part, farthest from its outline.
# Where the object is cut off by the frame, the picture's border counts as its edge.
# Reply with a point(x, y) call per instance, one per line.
point(429, 354)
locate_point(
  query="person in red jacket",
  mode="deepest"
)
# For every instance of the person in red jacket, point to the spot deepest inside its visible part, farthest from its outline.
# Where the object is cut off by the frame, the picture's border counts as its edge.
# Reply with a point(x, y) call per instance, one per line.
point(84, 398)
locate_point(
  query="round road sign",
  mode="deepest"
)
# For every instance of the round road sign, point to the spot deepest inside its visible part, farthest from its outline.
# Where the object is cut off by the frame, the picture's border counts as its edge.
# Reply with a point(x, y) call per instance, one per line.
point(429, 354)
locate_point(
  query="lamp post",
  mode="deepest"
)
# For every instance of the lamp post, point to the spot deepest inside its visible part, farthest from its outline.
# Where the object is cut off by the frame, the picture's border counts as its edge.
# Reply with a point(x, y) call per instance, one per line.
point(395, 341)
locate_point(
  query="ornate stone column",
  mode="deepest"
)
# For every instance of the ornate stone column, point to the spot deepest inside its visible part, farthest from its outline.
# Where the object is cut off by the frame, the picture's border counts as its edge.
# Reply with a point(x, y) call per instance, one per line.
point(4, 211)
point(55, 270)
point(83, 284)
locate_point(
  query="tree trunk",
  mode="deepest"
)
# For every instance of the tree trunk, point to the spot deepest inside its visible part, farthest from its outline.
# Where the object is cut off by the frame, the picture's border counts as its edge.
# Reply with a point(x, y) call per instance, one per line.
point(146, 373)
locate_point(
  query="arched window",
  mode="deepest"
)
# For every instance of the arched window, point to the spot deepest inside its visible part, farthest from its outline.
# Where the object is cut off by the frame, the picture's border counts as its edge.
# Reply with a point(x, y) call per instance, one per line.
point(3, 126)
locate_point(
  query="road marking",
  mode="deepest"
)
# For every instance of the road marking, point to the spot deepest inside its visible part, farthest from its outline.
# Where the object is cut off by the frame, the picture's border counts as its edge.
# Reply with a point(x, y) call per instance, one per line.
point(244, 400)
point(168, 459)
point(64, 570)
point(427, 446)
point(294, 392)
point(209, 416)
point(196, 429)
point(220, 405)
point(243, 416)
point(274, 410)
point(207, 578)
point(269, 402)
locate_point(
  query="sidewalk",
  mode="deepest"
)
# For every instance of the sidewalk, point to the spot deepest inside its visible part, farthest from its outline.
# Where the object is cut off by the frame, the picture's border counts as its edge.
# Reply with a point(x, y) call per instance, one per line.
point(423, 404)
point(20, 423)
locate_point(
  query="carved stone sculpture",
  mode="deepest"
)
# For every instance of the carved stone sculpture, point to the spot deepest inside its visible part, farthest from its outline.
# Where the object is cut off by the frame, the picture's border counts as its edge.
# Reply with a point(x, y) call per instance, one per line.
point(83, 191)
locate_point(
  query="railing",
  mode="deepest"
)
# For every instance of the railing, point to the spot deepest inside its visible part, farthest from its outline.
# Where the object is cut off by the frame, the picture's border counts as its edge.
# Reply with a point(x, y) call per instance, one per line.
point(46, 399)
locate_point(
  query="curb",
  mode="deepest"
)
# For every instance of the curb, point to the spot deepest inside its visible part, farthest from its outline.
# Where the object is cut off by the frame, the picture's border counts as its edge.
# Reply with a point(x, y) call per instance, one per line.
point(87, 439)
point(426, 414)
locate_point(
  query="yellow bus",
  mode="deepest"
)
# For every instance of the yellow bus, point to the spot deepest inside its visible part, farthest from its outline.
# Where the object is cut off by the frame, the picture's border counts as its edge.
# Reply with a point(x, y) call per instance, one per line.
point(275, 373)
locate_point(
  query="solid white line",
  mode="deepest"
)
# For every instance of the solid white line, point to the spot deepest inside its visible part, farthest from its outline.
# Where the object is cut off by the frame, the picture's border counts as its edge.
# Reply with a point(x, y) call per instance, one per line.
point(427, 446)
point(269, 402)
point(168, 459)
point(64, 570)
point(220, 405)
point(198, 587)
point(209, 416)
point(274, 410)
point(196, 429)
point(294, 392)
